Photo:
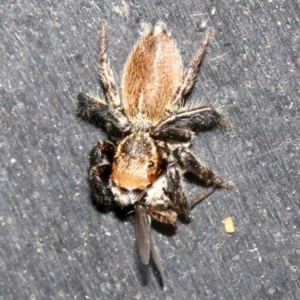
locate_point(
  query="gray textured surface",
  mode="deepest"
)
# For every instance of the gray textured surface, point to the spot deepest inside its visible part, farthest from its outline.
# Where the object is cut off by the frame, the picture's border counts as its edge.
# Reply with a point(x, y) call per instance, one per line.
point(55, 245)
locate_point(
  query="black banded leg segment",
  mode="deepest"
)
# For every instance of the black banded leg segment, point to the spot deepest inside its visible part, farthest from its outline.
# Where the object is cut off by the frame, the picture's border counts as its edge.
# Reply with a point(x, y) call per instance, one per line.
point(175, 190)
point(101, 157)
point(92, 109)
point(171, 132)
point(98, 112)
point(190, 164)
point(204, 116)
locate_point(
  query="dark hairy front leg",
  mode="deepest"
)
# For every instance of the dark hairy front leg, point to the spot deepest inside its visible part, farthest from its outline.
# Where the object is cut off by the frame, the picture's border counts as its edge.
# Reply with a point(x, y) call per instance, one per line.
point(190, 164)
point(170, 132)
point(176, 191)
point(98, 112)
point(101, 157)
point(192, 118)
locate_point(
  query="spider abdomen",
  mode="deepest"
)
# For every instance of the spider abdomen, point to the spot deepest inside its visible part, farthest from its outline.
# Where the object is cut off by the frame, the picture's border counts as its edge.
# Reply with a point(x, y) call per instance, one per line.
point(151, 76)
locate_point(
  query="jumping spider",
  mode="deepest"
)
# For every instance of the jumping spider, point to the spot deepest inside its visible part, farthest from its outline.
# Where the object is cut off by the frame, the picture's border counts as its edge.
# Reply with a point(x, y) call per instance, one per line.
point(150, 130)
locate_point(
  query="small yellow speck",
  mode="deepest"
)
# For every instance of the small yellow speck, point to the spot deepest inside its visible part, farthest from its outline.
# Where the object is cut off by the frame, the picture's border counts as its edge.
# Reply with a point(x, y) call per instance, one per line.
point(228, 225)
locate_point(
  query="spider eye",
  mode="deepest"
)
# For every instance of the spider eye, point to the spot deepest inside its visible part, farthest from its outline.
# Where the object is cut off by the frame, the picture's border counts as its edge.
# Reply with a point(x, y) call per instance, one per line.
point(116, 160)
point(150, 164)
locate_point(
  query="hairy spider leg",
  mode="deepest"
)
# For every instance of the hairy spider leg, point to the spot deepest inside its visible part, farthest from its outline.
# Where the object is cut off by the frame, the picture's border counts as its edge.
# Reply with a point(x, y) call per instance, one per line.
point(179, 125)
point(101, 157)
point(190, 164)
point(191, 71)
point(106, 72)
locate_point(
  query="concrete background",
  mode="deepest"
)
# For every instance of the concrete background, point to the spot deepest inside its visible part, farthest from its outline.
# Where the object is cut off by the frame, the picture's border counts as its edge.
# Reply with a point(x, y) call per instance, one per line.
point(56, 245)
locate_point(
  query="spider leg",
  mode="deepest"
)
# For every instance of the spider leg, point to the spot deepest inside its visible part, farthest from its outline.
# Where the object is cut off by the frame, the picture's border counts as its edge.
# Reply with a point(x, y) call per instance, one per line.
point(189, 163)
point(175, 190)
point(101, 157)
point(107, 74)
point(197, 199)
point(191, 71)
point(172, 132)
point(97, 111)
point(202, 116)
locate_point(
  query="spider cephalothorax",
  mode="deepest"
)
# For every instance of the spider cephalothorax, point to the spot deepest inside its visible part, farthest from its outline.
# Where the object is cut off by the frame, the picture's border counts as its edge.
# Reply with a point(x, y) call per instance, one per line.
point(151, 130)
